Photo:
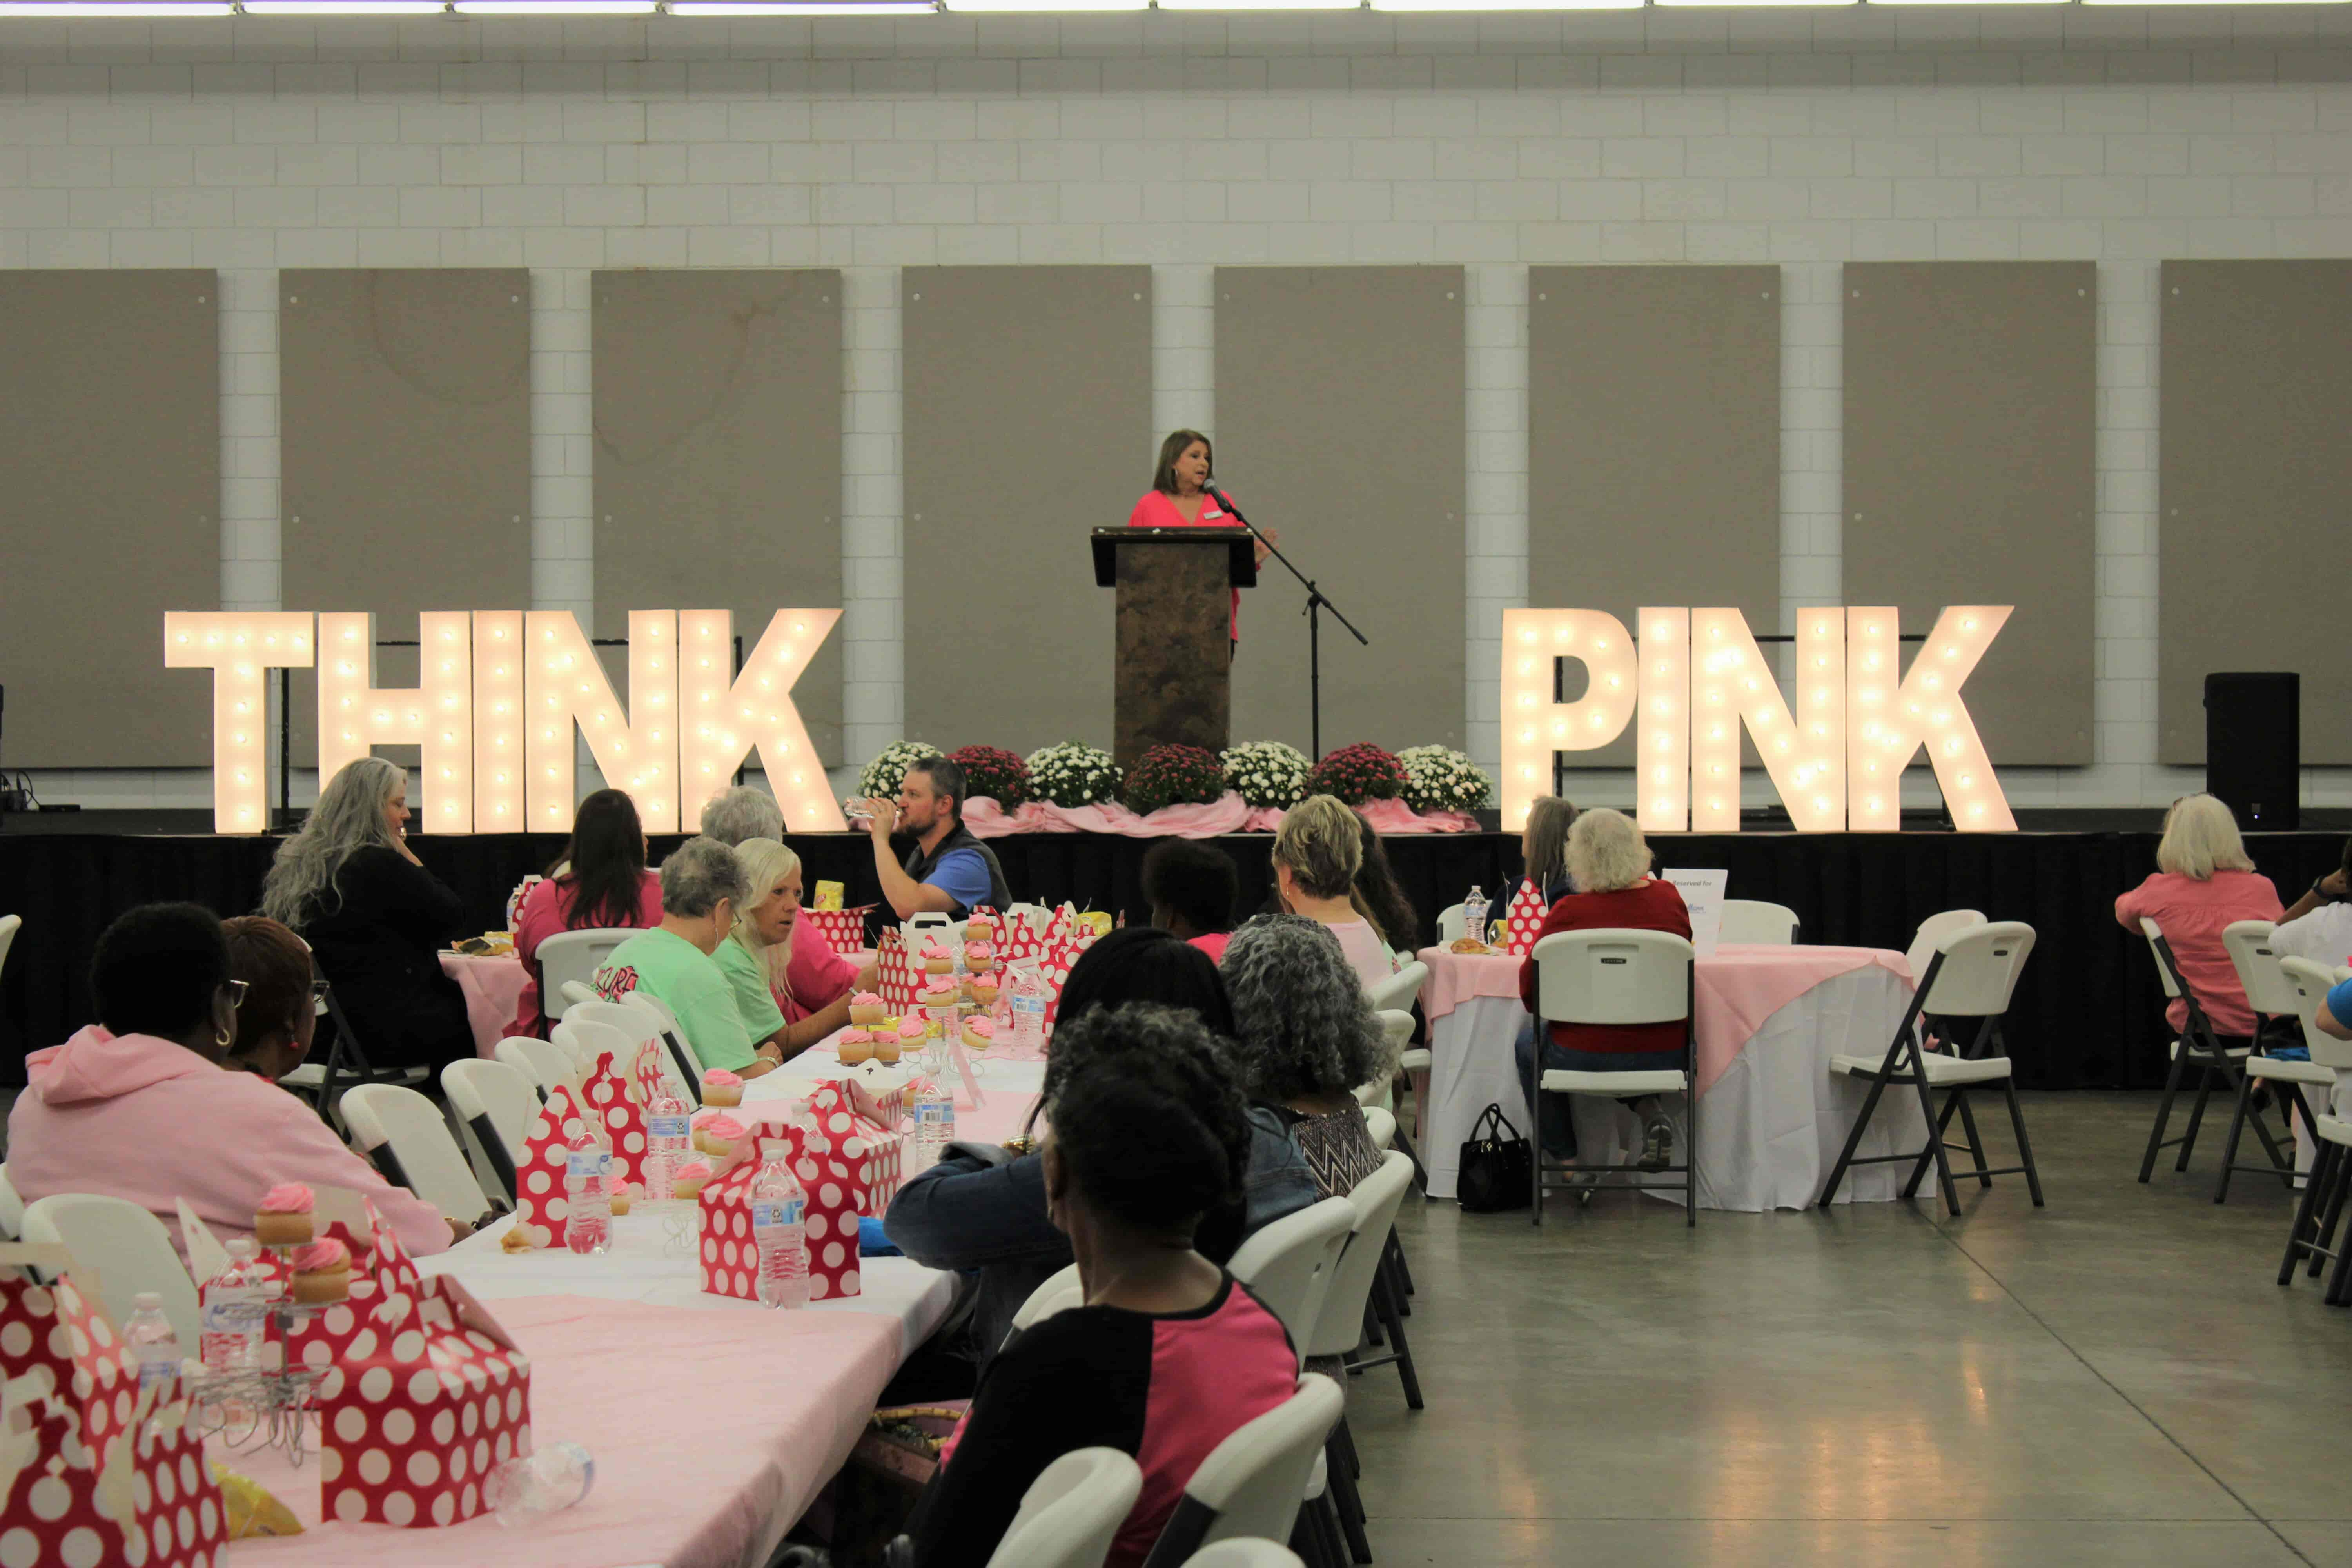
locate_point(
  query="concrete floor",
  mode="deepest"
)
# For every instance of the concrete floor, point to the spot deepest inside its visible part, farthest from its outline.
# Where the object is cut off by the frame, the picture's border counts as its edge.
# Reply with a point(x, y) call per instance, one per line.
point(2112, 1379)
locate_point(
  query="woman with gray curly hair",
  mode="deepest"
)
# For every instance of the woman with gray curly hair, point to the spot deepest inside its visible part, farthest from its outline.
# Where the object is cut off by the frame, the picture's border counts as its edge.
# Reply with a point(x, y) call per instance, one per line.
point(702, 885)
point(1307, 1039)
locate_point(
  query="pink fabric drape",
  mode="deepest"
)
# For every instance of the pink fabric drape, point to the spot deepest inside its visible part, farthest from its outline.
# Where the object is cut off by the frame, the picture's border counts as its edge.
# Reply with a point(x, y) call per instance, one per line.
point(1227, 814)
point(493, 988)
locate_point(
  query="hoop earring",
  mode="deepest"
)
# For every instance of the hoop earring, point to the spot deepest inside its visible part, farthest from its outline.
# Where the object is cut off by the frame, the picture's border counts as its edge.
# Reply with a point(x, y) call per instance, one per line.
point(223, 1038)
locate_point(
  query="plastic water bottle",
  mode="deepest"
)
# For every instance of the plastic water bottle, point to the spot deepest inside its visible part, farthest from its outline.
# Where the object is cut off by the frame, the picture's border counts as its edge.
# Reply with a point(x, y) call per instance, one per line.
point(666, 1144)
point(234, 1304)
point(933, 1103)
point(1024, 991)
point(526, 1490)
point(1473, 914)
point(780, 1228)
point(149, 1334)
point(588, 1196)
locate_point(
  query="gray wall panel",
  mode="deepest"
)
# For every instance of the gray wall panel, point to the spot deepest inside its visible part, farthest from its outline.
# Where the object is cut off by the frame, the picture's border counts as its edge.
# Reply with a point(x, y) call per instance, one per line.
point(1970, 399)
point(1028, 422)
point(110, 509)
point(1654, 451)
point(717, 419)
point(1339, 416)
point(404, 400)
point(2254, 474)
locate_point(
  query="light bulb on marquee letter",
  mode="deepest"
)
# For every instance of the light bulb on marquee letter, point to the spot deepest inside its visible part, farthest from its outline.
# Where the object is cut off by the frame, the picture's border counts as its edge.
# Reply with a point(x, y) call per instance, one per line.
point(1731, 685)
point(564, 685)
point(1535, 724)
point(498, 721)
point(1662, 738)
point(1891, 718)
point(238, 646)
point(355, 713)
point(724, 718)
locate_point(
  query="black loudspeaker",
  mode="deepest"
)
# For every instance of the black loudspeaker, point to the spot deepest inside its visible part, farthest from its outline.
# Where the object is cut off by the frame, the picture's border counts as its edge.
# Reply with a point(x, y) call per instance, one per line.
point(2253, 747)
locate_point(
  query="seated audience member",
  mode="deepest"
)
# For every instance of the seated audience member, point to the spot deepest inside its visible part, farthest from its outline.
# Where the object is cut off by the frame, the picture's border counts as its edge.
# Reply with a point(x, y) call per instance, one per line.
point(1191, 887)
point(1170, 1353)
point(1316, 854)
point(780, 965)
point(949, 870)
point(279, 1013)
point(1377, 898)
point(702, 887)
point(1543, 855)
point(1610, 861)
point(2318, 925)
point(742, 811)
point(376, 920)
point(1307, 1039)
point(982, 1208)
point(146, 1104)
point(2203, 881)
point(600, 882)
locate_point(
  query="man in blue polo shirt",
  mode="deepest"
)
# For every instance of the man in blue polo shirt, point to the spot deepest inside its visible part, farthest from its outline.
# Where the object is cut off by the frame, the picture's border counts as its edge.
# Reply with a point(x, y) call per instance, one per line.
point(949, 870)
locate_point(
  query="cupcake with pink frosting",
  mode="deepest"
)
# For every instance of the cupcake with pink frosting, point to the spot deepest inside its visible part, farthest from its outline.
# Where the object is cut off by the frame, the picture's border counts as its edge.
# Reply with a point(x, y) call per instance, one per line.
point(984, 989)
point(722, 1087)
point(855, 1046)
point(940, 991)
point(937, 960)
point(719, 1136)
point(323, 1272)
point(979, 1033)
point(867, 1009)
point(284, 1218)
point(979, 927)
point(688, 1180)
point(979, 955)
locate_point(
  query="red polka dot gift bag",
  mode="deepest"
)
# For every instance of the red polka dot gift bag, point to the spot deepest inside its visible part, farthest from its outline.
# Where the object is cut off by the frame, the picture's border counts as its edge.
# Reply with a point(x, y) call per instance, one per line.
point(894, 972)
point(95, 1469)
point(847, 1165)
point(1526, 918)
point(613, 1101)
point(539, 1203)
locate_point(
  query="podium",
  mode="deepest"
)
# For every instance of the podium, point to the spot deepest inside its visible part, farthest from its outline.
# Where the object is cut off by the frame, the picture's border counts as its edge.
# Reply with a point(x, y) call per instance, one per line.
point(1173, 681)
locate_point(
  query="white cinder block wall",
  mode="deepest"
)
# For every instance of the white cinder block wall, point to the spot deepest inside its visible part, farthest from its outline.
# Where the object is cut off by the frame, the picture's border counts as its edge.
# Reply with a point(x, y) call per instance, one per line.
point(1808, 137)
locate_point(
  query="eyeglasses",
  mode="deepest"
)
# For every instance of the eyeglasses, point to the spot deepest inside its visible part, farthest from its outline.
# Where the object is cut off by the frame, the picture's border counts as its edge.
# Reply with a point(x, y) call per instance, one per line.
point(237, 990)
point(319, 989)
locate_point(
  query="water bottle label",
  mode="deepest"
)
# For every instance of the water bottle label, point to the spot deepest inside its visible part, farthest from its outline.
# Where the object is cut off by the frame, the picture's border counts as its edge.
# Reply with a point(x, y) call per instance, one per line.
point(586, 1164)
point(788, 1212)
point(605, 1164)
point(152, 1372)
point(940, 1111)
point(665, 1127)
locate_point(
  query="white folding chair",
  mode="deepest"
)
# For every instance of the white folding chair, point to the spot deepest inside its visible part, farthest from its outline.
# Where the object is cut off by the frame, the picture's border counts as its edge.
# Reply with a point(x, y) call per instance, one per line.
point(1287, 1265)
point(1973, 975)
point(344, 1064)
point(2198, 1045)
point(1071, 1512)
point(2325, 1190)
point(403, 1133)
point(2270, 993)
point(1379, 1126)
point(1932, 931)
point(12, 1208)
point(1059, 1293)
point(1396, 1028)
point(574, 992)
point(1251, 1483)
point(1617, 977)
point(574, 957)
point(681, 1049)
point(496, 1104)
point(1400, 991)
point(1451, 923)
point(544, 1062)
point(128, 1251)
point(1250, 1553)
point(1754, 921)
point(10, 926)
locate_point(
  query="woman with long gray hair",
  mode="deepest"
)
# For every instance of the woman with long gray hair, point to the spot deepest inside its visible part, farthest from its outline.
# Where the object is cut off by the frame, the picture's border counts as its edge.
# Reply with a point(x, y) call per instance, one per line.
point(1308, 1040)
point(376, 920)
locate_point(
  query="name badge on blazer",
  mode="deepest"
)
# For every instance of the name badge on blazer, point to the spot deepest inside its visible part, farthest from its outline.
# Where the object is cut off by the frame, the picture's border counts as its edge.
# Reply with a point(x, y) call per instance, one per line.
point(1212, 511)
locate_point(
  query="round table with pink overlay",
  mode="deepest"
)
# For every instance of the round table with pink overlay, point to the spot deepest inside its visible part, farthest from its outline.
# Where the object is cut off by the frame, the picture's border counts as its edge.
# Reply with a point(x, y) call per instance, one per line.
point(1773, 1117)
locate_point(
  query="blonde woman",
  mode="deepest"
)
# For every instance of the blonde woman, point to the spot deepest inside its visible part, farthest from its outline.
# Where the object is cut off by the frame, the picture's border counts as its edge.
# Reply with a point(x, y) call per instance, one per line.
point(1610, 862)
point(2203, 881)
point(789, 986)
point(1316, 854)
point(376, 920)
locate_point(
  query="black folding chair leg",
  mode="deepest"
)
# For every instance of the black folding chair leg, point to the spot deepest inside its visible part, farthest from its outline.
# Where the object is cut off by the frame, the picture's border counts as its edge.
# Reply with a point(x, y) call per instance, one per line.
point(2307, 1213)
point(1340, 1488)
point(1387, 1309)
point(1853, 1140)
point(2237, 1127)
point(1928, 1150)
point(1976, 1138)
point(2024, 1147)
point(2164, 1110)
point(2338, 1279)
point(2338, 1190)
point(2197, 1112)
point(1935, 1146)
point(1396, 1256)
point(1404, 1142)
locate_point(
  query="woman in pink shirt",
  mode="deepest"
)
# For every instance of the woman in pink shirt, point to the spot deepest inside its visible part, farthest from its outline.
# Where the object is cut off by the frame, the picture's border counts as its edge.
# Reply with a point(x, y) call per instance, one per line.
point(1316, 854)
point(598, 883)
point(1179, 498)
point(148, 1105)
point(2203, 881)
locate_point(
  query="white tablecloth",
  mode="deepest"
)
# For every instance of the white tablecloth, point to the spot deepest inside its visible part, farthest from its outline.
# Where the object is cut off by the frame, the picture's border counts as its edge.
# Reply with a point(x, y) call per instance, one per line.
point(1769, 1128)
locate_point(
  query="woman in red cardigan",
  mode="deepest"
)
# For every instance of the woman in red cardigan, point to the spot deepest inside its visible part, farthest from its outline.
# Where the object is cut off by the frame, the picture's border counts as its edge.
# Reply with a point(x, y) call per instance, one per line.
point(1609, 861)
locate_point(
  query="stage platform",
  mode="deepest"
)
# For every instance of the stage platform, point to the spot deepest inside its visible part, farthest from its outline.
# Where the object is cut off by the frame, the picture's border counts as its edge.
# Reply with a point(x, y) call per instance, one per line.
point(2089, 1013)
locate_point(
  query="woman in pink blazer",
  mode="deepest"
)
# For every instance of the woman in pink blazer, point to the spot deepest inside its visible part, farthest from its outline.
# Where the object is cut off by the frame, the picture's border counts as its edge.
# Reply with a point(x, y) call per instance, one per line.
point(1179, 498)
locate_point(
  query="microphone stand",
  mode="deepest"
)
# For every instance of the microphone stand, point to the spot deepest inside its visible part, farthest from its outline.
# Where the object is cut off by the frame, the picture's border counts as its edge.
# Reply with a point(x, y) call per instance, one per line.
point(1317, 603)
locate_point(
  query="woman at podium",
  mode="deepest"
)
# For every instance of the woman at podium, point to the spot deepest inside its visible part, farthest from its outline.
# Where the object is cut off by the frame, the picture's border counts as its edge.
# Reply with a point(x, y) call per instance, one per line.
point(1180, 498)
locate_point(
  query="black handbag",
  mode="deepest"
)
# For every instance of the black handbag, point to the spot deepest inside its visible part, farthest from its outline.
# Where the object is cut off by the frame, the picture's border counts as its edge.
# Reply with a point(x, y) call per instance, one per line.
point(1499, 1167)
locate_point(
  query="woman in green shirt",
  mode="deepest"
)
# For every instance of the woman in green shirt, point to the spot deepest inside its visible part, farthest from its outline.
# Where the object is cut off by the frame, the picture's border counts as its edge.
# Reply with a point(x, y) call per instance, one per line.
point(702, 885)
point(758, 953)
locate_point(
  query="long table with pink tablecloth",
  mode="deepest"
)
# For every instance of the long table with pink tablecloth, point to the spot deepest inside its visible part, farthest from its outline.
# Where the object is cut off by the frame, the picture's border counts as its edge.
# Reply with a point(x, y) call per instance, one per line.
point(1772, 1116)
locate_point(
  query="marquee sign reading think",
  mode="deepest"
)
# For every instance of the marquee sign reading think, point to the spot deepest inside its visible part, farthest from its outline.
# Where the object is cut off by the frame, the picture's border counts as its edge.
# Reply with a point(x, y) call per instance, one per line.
point(1694, 679)
point(500, 695)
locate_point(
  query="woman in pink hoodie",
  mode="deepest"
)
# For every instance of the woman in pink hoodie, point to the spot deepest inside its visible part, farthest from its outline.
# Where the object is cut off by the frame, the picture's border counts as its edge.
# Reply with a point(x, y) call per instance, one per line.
point(142, 1105)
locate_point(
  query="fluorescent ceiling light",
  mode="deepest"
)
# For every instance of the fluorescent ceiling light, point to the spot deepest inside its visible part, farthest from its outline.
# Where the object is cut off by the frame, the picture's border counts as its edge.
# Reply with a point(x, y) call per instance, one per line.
point(804, 8)
point(117, 10)
point(969, 6)
point(1991, 2)
point(1508, 4)
point(555, 7)
point(2211, 2)
point(1259, 5)
point(1727, 4)
point(343, 7)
